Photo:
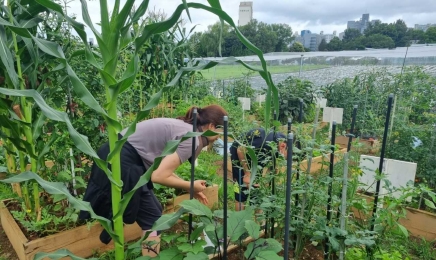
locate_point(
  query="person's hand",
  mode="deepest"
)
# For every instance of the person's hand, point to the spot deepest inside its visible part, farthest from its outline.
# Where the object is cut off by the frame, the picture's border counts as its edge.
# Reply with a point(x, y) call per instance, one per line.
point(201, 197)
point(199, 186)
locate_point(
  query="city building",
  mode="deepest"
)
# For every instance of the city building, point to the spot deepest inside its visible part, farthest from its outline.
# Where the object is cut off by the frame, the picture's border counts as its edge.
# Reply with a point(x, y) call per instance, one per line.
point(362, 24)
point(328, 37)
point(424, 27)
point(245, 13)
point(341, 35)
point(303, 32)
point(310, 40)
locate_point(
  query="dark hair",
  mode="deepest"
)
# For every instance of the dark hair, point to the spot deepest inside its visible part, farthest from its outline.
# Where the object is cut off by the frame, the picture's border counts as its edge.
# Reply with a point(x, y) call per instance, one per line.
point(212, 114)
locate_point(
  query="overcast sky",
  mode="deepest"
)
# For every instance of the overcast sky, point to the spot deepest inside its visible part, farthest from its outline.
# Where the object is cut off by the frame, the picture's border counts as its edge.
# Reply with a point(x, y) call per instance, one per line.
point(314, 15)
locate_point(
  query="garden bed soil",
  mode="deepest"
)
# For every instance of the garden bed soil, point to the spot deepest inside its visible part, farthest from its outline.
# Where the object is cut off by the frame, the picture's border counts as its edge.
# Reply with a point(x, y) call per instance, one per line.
point(369, 147)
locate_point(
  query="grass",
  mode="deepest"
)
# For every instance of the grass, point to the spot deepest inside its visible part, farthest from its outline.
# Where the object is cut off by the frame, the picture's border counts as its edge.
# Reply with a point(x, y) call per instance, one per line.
point(237, 71)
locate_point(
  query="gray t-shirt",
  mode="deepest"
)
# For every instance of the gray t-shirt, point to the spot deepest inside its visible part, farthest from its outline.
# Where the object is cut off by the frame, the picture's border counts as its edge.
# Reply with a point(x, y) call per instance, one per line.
point(151, 136)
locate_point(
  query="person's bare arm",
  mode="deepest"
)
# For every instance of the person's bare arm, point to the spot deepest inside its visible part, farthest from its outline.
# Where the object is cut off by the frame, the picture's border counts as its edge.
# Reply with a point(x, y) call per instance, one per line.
point(165, 175)
point(243, 159)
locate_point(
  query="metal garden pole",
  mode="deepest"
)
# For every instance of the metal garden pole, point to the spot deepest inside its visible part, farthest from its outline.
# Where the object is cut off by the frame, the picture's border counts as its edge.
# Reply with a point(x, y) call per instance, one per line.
point(329, 199)
point(353, 122)
point(382, 158)
point(300, 120)
point(226, 121)
point(289, 126)
point(344, 203)
point(191, 190)
point(301, 65)
point(288, 193)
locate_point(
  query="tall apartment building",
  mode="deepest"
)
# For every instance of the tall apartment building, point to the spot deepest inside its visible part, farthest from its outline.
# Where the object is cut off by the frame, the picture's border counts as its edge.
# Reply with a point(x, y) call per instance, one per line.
point(245, 13)
point(309, 40)
point(362, 24)
point(424, 27)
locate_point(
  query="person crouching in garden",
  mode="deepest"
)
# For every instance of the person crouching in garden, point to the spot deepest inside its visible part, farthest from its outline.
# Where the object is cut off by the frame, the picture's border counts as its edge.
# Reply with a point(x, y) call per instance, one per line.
point(260, 141)
point(137, 155)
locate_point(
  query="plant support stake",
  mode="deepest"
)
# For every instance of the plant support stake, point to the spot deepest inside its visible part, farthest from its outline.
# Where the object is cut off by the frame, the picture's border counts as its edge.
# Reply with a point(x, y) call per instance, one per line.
point(226, 119)
point(329, 199)
point(300, 120)
point(382, 158)
point(288, 194)
point(353, 122)
point(191, 190)
point(290, 126)
point(344, 203)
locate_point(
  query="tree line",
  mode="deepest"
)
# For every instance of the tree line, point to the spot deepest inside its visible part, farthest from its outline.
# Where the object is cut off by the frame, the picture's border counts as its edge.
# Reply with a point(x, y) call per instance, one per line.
point(267, 37)
point(378, 36)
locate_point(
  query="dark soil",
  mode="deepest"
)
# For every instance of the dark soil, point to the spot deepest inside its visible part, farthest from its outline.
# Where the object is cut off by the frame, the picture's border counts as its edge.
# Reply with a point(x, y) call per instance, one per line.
point(6, 249)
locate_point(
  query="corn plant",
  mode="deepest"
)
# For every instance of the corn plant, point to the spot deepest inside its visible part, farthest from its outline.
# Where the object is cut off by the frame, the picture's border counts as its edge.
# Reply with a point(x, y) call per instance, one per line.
point(115, 38)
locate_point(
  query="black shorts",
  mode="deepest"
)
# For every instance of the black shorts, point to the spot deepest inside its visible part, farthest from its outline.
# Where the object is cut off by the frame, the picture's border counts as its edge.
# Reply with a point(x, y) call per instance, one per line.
point(150, 210)
point(241, 191)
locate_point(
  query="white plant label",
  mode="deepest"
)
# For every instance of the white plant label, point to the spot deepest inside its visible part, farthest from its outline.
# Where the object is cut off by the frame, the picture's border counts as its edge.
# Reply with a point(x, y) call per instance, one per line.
point(246, 105)
point(321, 102)
point(331, 114)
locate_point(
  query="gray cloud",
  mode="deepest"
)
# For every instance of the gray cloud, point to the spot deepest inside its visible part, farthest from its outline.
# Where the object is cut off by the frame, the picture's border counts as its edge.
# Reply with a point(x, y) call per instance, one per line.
point(315, 15)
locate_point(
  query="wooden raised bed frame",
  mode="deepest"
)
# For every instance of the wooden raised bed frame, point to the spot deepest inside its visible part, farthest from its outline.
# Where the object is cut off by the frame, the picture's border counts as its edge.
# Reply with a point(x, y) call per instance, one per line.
point(419, 223)
point(82, 241)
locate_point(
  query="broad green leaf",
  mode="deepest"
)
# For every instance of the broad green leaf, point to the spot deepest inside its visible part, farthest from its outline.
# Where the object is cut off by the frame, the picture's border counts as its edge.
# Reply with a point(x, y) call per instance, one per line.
point(195, 207)
point(31, 22)
point(236, 223)
point(168, 254)
point(429, 203)
point(49, 47)
point(198, 256)
point(16, 29)
point(403, 230)
point(196, 233)
point(268, 255)
point(168, 220)
point(58, 188)
point(60, 254)
point(252, 228)
point(37, 126)
point(187, 10)
point(7, 59)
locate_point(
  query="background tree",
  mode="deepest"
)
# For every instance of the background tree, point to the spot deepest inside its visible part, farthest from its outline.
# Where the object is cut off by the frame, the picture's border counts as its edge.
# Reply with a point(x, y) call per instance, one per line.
point(430, 35)
point(323, 45)
point(297, 47)
point(379, 41)
point(335, 45)
point(416, 35)
point(284, 36)
point(351, 34)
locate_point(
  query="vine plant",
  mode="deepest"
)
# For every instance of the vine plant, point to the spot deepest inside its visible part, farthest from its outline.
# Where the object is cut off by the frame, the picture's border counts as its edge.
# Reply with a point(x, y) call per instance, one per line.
point(116, 36)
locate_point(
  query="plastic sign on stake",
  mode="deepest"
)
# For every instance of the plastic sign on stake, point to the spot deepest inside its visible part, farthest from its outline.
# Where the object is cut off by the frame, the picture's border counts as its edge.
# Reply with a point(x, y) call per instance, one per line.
point(321, 102)
point(260, 99)
point(398, 173)
point(331, 114)
point(246, 103)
